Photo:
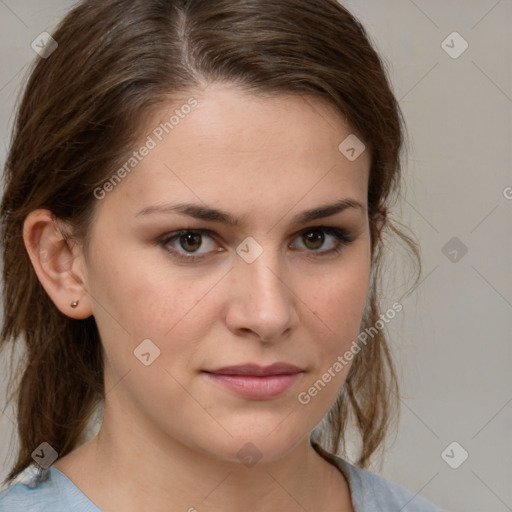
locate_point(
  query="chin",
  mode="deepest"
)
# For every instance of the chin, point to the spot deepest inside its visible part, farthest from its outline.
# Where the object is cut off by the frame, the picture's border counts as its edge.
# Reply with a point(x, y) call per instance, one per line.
point(249, 447)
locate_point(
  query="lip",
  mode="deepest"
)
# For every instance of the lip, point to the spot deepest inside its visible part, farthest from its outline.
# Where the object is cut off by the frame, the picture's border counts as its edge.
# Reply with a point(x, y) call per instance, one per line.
point(257, 370)
point(256, 382)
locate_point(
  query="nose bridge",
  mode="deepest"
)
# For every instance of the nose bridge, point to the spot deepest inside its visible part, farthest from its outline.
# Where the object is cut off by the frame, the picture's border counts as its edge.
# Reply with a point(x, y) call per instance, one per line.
point(264, 277)
point(265, 299)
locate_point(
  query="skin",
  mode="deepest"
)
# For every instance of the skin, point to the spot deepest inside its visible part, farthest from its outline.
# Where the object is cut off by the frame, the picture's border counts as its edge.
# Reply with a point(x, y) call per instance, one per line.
point(170, 437)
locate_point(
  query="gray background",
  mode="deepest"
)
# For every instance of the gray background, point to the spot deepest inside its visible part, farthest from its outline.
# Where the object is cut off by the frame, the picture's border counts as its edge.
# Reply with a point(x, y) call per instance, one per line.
point(453, 339)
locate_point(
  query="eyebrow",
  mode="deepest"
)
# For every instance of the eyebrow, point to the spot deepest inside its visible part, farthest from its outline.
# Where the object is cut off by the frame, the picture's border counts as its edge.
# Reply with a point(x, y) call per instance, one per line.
point(217, 215)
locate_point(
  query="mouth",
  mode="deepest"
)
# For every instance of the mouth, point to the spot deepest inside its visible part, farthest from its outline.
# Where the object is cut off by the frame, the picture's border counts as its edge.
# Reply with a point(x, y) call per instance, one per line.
point(256, 382)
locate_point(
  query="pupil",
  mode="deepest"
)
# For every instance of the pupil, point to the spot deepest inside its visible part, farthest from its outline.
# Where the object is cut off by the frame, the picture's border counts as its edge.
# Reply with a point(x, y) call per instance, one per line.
point(190, 238)
point(313, 236)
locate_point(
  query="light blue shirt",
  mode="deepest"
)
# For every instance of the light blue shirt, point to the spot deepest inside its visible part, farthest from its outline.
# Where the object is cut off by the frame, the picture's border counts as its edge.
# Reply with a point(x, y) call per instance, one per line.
point(32, 492)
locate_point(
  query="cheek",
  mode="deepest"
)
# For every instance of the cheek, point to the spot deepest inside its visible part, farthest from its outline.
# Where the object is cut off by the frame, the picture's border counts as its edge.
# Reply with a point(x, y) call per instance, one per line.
point(172, 307)
point(136, 302)
point(338, 299)
point(334, 327)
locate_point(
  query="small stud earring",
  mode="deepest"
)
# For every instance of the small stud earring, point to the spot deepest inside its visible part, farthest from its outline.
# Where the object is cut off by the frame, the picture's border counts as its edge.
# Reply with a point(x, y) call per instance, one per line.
point(74, 304)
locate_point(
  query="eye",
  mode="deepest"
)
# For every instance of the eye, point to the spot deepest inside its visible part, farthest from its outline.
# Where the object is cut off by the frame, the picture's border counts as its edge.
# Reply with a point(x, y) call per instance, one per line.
point(314, 238)
point(185, 244)
point(190, 241)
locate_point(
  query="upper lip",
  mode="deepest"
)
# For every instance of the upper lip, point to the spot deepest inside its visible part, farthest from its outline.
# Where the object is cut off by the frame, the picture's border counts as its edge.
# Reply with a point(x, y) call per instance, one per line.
point(257, 370)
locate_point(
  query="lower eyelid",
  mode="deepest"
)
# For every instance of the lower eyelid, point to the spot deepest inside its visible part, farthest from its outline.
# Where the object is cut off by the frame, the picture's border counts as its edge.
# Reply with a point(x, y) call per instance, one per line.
point(342, 238)
point(338, 239)
point(173, 237)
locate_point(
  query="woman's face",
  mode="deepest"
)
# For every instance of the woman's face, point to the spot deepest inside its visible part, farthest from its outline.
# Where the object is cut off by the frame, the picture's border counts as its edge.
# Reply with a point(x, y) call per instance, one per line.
point(272, 288)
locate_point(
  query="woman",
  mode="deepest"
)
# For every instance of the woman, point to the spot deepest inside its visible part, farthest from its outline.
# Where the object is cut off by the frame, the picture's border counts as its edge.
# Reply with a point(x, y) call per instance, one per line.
point(196, 199)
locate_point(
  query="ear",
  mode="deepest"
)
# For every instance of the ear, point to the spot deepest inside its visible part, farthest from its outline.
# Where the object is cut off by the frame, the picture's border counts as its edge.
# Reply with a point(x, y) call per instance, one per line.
point(58, 262)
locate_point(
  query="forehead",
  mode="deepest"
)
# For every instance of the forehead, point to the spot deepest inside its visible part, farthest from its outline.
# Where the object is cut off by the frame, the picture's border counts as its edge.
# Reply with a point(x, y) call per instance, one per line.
point(223, 145)
point(235, 121)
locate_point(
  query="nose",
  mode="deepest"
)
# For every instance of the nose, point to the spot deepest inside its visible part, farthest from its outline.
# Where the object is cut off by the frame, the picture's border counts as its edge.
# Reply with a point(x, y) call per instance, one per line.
point(262, 303)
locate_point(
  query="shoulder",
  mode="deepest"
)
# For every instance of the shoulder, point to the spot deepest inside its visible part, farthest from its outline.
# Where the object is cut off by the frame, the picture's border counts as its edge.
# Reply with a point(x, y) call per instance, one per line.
point(37, 490)
point(373, 493)
point(31, 491)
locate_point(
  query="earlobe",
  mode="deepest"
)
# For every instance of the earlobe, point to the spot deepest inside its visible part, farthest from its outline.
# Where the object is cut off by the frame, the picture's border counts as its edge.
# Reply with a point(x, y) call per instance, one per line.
point(58, 263)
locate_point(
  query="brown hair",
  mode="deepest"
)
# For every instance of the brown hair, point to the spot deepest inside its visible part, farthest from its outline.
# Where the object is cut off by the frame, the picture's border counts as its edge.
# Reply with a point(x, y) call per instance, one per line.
point(83, 110)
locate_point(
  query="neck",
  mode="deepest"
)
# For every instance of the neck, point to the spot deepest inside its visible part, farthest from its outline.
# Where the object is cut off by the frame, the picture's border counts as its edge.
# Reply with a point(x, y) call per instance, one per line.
point(158, 473)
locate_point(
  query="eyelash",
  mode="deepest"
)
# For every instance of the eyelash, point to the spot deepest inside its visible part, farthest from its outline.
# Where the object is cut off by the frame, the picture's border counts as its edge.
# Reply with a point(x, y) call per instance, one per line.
point(342, 237)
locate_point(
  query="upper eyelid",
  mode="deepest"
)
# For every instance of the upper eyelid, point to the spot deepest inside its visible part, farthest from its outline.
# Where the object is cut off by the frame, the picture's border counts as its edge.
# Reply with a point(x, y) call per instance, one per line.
point(212, 234)
point(342, 236)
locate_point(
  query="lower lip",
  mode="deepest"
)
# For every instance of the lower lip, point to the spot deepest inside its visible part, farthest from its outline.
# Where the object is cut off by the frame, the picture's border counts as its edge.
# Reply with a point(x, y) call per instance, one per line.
point(257, 388)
